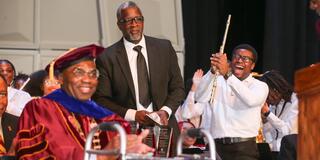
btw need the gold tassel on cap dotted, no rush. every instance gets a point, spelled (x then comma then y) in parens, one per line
(51, 68)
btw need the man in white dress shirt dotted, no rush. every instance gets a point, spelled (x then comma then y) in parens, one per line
(280, 112)
(140, 75)
(16, 98)
(236, 104)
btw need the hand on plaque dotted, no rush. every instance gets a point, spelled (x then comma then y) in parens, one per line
(141, 117)
(163, 117)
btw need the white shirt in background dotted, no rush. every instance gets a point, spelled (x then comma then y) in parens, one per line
(282, 121)
(17, 99)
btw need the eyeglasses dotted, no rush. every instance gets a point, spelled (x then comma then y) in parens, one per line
(245, 59)
(139, 19)
(275, 91)
(79, 73)
(3, 94)
(274, 94)
(49, 82)
(6, 70)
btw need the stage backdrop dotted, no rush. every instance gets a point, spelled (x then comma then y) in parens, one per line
(283, 32)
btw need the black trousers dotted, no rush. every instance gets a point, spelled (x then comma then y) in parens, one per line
(247, 150)
(275, 155)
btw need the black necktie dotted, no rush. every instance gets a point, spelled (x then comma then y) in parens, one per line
(143, 80)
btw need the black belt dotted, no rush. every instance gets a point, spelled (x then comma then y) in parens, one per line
(231, 140)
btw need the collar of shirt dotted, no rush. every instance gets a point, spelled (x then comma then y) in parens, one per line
(132, 55)
(129, 46)
(248, 80)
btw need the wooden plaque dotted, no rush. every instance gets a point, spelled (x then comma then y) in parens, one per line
(150, 139)
(164, 141)
(134, 127)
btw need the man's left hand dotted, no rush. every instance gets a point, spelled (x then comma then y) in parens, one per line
(163, 117)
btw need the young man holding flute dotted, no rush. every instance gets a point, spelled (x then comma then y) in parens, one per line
(236, 103)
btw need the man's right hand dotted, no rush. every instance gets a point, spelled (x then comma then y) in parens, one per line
(141, 117)
(220, 61)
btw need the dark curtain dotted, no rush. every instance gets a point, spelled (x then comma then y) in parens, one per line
(283, 33)
(290, 39)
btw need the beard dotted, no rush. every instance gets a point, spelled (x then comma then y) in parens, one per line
(135, 37)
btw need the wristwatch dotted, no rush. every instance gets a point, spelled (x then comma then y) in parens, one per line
(266, 114)
(228, 74)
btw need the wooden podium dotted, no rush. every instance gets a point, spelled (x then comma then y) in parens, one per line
(307, 86)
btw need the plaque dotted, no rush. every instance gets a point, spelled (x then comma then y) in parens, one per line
(150, 139)
(164, 141)
(134, 127)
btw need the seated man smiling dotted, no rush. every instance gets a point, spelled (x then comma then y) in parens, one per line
(55, 126)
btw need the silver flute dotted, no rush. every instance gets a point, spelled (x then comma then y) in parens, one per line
(221, 51)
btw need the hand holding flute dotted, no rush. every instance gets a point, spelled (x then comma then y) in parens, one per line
(215, 57)
(219, 61)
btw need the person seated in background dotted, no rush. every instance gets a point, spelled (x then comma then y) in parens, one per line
(16, 98)
(280, 112)
(8, 127)
(198, 113)
(190, 88)
(191, 145)
(288, 148)
(56, 126)
(40, 84)
(315, 5)
(188, 142)
(20, 80)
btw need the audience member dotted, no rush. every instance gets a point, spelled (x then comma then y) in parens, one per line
(196, 120)
(140, 74)
(8, 127)
(20, 80)
(236, 105)
(40, 84)
(192, 145)
(56, 126)
(193, 110)
(188, 142)
(280, 112)
(16, 98)
(315, 5)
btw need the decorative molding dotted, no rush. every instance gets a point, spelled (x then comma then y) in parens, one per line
(163, 19)
(23, 60)
(62, 27)
(18, 24)
(33, 32)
